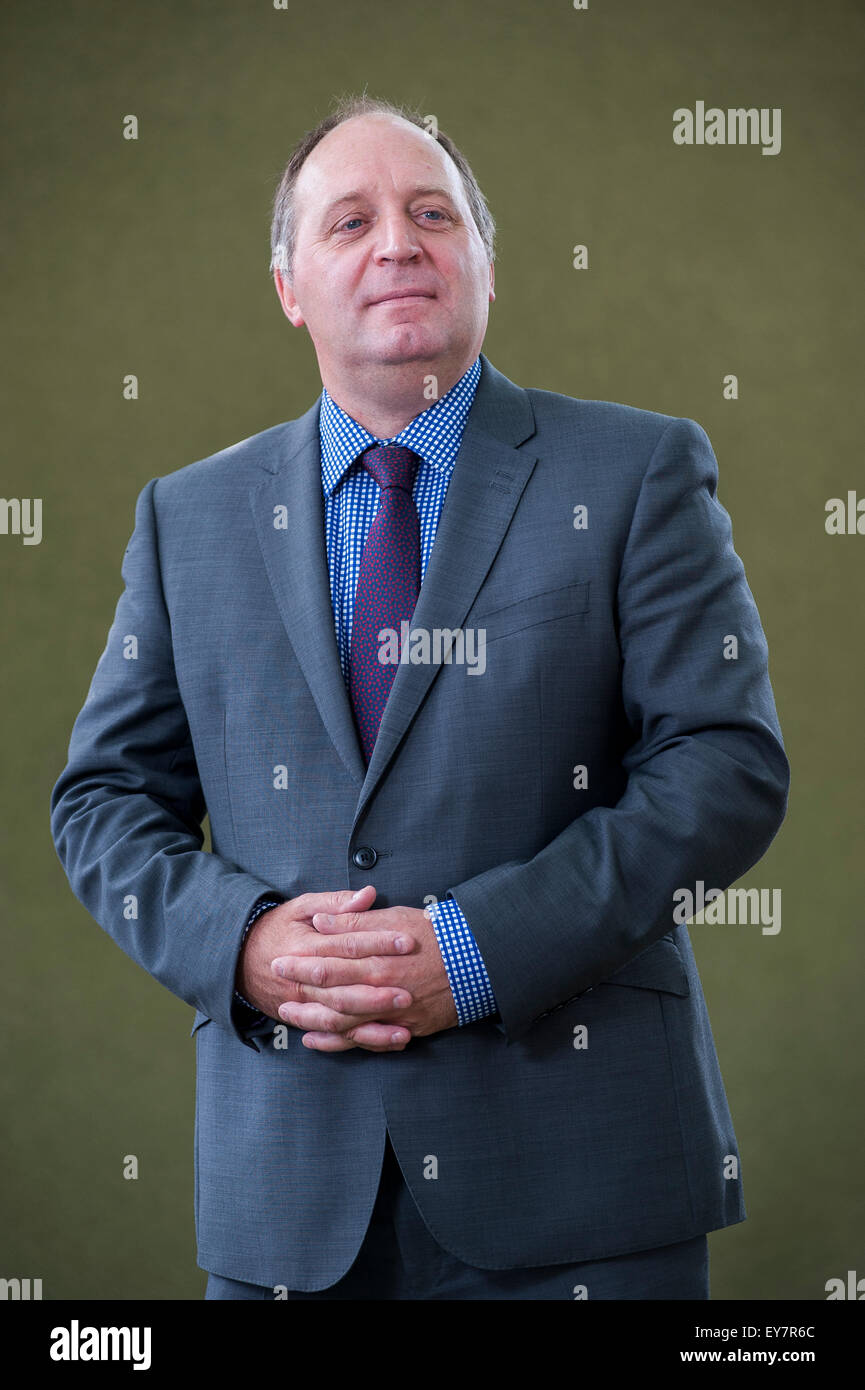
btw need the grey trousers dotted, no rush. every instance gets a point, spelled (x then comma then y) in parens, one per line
(400, 1259)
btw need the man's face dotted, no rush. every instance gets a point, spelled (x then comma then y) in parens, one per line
(380, 210)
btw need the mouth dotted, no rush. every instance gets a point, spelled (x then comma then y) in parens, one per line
(401, 297)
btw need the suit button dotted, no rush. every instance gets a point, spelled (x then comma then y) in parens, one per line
(364, 857)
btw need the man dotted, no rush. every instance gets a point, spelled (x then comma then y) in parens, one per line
(446, 661)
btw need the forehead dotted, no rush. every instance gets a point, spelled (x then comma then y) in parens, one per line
(375, 154)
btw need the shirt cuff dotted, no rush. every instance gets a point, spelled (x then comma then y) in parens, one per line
(467, 975)
(261, 907)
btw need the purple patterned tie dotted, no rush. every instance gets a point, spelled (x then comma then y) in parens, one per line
(387, 587)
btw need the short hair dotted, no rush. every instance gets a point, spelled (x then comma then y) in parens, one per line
(283, 232)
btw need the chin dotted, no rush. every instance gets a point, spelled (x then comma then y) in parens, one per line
(408, 346)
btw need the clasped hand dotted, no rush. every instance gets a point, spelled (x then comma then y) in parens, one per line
(351, 977)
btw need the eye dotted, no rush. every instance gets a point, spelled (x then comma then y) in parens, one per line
(436, 213)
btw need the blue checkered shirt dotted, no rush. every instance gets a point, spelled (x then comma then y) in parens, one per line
(351, 500)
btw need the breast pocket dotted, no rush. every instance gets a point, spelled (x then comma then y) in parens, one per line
(548, 606)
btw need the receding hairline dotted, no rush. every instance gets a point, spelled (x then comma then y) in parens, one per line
(418, 190)
(466, 194)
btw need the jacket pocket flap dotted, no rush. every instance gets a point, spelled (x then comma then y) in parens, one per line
(658, 967)
(511, 617)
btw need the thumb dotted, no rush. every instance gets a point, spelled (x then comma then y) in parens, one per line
(354, 900)
(348, 902)
(342, 900)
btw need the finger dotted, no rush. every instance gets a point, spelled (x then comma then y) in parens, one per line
(359, 1000)
(328, 972)
(341, 901)
(355, 946)
(318, 1018)
(349, 919)
(372, 1037)
(342, 921)
(322, 972)
(327, 1042)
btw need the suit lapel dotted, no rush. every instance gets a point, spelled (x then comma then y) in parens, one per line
(295, 557)
(487, 481)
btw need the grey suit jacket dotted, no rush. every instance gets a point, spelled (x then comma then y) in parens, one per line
(220, 689)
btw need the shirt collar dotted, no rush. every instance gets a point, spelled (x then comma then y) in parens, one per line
(435, 434)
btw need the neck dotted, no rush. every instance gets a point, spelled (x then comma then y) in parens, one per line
(386, 399)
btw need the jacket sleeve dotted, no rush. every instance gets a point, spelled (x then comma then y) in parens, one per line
(707, 775)
(127, 811)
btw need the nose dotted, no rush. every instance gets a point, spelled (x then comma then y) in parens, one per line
(396, 238)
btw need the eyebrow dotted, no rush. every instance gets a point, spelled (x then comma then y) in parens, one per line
(358, 194)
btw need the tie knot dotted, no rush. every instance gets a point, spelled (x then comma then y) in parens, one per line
(391, 465)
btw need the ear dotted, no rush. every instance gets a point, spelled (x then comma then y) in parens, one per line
(290, 306)
(492, 281)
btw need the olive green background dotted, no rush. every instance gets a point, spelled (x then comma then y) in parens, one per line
(151, 257)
